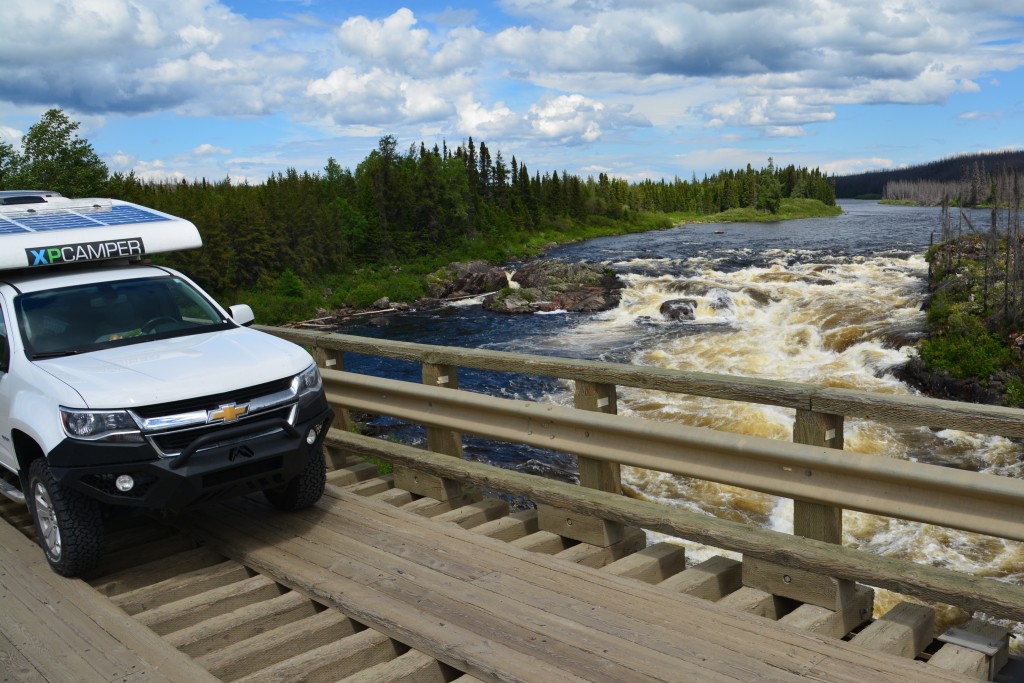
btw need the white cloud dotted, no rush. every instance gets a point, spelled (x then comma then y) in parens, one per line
(569, 119)
(564, 72)
(479, 121)
(206, 149)
(848, 166)
(390, 42)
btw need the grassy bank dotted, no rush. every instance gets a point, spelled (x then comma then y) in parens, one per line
(289, 298)
(974, 325)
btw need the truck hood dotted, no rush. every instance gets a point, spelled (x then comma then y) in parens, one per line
(176, 369)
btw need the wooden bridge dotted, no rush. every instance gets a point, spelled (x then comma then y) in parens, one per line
(425, 575)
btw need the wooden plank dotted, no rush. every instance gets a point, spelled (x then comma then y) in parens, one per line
(355, 522)
(905, 630)
(712, 579)
(59, 644)
(369, 487)
(933, 584)
(242, 623)
(490, 636)
(543, 542)
(759, 602)
(14, 666)
(429, 507)
(633, 539)
(57, 604)
(182, 586)
(142, 575)
(979, 649)
(189, 611)
(579, 527)
(148, 552)
(639, 600)
(515, 525)
(962, 660)
(142, 531)
(332, 661)
(797, 584)
(353, 473)
(830, 622)
(652, 564)
(475, 514)
(412, 667)
(277, 645)
(396, 497)
(427, 485)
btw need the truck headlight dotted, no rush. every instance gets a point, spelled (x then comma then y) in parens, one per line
(100, 425)
(309, 381)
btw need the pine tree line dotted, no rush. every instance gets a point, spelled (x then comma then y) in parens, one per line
(394, 207)
(976, 187)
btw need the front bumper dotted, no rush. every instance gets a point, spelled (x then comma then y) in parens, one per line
(240, 460)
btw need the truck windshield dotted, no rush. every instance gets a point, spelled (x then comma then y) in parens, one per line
(69, 320)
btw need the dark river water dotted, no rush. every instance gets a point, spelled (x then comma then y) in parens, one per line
(832, 301)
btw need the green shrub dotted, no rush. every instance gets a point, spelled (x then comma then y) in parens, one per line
(1015, 392)
(966, 349)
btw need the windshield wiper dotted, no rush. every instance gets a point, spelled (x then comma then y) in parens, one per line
(46, 355)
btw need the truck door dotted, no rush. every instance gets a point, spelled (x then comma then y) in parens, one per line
(7, 458)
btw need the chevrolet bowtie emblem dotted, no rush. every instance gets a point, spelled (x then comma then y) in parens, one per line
(227, 413)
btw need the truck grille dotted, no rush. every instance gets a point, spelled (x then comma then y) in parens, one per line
(239, 396)
(173, 442)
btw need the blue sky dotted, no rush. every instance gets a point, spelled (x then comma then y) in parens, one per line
(634, 88)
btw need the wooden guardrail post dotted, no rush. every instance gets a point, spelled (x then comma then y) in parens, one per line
(334, 360)
(594, 474)
(813, 520)
(439, 440)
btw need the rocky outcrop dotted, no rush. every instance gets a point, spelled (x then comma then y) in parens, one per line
(548, 285)
(466, 279)
(939, 384)
(679, 309)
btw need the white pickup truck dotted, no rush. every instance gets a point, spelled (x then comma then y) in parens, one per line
(123, 384)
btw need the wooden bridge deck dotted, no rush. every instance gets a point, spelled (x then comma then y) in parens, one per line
(487, 608)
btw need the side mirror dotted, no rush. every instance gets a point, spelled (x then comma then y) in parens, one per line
(242, 314)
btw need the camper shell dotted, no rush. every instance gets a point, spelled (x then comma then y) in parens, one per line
(124, 385)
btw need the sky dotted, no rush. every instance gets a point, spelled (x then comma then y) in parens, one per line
(243, 89)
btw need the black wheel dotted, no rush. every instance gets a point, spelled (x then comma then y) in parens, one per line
(305, 489)
(69, 525)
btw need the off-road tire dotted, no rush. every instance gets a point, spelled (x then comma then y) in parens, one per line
(305, 489)
(69, 525)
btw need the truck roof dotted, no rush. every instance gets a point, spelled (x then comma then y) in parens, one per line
(39, 229)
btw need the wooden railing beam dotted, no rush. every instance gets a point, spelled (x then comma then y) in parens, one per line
(969, 501)
(886, 408)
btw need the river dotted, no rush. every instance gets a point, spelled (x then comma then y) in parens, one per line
(830, 301)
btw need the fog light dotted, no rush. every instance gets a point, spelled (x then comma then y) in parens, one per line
(311, 437)
(124, 483)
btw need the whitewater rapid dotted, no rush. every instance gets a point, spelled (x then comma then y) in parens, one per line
(832, 321)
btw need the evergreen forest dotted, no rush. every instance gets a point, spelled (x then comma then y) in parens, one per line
(301, 241)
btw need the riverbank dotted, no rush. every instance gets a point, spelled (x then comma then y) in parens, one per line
(974, 350)
(357, 289)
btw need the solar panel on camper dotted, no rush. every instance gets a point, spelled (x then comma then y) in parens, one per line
(68, 220)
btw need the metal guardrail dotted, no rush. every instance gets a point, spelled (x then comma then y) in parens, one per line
(814, 471)
(958, 499)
